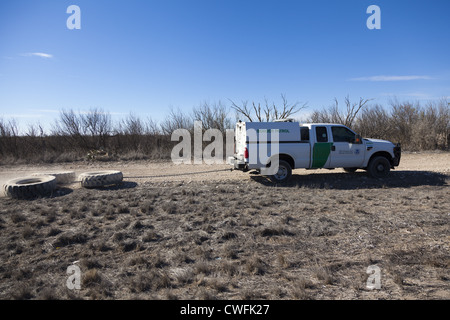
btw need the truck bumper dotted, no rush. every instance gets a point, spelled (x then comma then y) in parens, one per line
(236, 163)
(397, 155)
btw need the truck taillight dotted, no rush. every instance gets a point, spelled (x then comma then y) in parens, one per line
(246, 153)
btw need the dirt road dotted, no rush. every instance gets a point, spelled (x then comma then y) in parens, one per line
(150, 171)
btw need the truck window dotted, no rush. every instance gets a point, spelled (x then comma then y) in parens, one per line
(342, 134)
(321, 134)
(304, 133)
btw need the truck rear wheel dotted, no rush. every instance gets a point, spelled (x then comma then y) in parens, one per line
(379, 167)
(283, 174)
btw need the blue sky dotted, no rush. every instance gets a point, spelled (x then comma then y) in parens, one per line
(145, 56)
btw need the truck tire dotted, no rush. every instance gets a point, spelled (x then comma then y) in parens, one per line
(379, 167)
(30, 187)
(62, 177)
(283, 174)
(100, 179)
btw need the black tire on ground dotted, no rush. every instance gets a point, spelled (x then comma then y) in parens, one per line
(379, 167)
(30, 187)
(62, 177)
(284, 172)
(100, 179)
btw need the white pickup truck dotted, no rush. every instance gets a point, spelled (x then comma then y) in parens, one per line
(292, 145)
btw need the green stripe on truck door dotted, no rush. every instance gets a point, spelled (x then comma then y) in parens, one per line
(321, 152)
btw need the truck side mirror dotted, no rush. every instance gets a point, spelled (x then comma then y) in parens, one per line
(358, 139)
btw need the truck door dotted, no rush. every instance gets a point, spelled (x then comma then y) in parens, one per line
(346, 152)
(321, 148)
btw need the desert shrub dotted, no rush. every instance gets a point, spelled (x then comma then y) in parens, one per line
(419, 127)
(416, 126)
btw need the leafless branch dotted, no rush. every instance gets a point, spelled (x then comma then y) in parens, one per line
(270, 112)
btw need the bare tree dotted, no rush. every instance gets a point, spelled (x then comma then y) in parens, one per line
(35, 130)
(403, 118)
(86, 130)
(69, 124)
(152, 127)
(352, 109)
(176, 120)
(335, 115)
(323, 116)
(212, 116)
(9, 133)
(430, 131)
(269, 112)
(374, 122)
(244, 110)
(97, 123)
(130, 133)
(132, 125)
(287, 109)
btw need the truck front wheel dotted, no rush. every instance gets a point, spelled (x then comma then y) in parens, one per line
(283, 174)
(379, 167)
